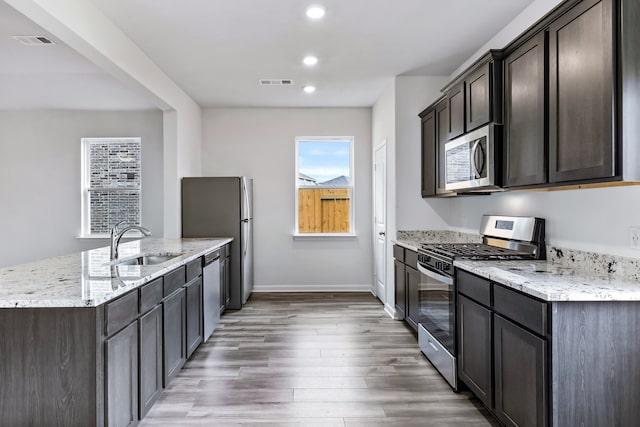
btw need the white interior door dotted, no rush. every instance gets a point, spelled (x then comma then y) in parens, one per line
(380, 219)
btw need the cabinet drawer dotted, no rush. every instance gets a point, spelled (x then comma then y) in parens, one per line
(174, 280)
(398, 253)
(121, 312)
(150, 295)
(527, 311)
(474, 287)
(411, 258)
(194, 269)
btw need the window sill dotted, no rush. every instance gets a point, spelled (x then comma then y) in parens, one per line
(320, 236)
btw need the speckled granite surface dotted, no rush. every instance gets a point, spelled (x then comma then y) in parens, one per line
(566, 275)
(553, 281)
(87, 279)
(414, 238)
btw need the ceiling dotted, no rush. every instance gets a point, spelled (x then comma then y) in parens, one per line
(54, 76)
(217, 50)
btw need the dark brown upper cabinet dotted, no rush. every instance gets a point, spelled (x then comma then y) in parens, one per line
(428, 153)
(442, 136)
(455, 111)
(524, 115)
(478, 100)
(581, 93)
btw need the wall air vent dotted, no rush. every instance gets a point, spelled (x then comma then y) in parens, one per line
(276, 82)
(33, 40)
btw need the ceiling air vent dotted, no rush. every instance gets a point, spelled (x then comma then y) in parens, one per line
(33, 40)
(276, 82)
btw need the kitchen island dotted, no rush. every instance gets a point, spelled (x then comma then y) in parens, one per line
(80, 336)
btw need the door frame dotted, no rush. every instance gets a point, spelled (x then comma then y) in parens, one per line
(382, 295)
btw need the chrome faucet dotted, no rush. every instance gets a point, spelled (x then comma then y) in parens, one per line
(116, 235)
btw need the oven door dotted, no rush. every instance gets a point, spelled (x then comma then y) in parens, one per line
(436, 322)
(436, 311)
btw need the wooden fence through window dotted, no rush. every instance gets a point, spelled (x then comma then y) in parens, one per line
(324, 210)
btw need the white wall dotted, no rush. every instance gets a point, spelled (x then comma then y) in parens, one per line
(413, 94)
(260, 143)
(383, 124)
(40, 177)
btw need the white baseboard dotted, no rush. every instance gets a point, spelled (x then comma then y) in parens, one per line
(313, 288)
(391, 311)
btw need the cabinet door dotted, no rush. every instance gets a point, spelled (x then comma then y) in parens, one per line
(194, 315)
(478, 99)
(150, 327)
(581, 82)
(455, 108)
(122, 377)
(412, 280)
(520, 375)
(174, 319)
(474, 354)
(442, 136)
(400, 291)
(524, 130)
(429, 155)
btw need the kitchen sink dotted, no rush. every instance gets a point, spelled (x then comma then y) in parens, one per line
(149, 259)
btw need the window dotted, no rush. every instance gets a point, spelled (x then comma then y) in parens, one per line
(324, 186)
(111, 183)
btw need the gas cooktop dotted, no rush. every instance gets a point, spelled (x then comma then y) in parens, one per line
(474, 251)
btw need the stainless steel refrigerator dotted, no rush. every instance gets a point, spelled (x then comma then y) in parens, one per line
(223, 207)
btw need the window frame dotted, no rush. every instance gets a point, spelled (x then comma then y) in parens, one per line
(85, 188)
(351, 186)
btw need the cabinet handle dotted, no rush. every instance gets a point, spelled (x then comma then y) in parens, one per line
(433, 345)
(382, 233)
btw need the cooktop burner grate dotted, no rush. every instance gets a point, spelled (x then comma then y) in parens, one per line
(474, 251)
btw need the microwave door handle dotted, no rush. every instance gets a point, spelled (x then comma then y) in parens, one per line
(439, 277)
(477, 170)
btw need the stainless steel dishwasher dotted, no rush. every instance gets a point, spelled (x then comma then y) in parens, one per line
(211, 293)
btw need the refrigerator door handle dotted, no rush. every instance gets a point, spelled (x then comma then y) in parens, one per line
(245, 198)
(246, 238)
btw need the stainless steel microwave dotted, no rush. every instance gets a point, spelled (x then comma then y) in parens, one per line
(471, 161)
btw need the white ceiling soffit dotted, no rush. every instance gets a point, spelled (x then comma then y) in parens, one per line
(54, 76)
(218, 50)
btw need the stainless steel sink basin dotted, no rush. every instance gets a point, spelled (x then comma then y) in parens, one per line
(150, 259)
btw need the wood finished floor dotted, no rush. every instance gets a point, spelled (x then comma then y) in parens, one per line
(312, 359)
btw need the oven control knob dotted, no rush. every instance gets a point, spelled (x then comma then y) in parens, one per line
(439, 265)
(446, 267)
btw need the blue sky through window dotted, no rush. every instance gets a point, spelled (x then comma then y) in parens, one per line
(324, 160)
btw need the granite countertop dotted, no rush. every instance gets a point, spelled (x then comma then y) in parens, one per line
(553, 281)
(87, 279)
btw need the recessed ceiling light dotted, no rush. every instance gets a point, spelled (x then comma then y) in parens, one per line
(310, 60)
(315, 12)
(309, 89)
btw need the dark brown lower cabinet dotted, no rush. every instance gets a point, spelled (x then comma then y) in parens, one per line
(474, 352)
(174, 336)
(121, 371)
(412, 281)
(150, 327)
(520, 375)
(400, 289)
(194, 315)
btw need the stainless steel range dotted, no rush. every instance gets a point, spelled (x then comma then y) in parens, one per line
(504, 238)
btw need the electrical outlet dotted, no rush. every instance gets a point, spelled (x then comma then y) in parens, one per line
(634, 237)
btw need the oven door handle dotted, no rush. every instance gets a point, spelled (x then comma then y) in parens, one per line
(439, 277)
